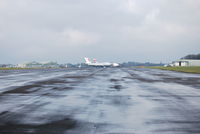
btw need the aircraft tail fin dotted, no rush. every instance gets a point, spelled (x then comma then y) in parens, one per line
(87, 60)
(94, 60)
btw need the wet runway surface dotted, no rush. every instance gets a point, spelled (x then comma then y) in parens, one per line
(99, 101)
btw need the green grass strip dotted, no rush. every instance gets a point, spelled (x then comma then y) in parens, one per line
(193, 69)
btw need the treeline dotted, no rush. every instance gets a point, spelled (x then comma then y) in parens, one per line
(192, 56)
(130, 64)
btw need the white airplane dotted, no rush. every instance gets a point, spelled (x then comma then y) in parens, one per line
(99, 64)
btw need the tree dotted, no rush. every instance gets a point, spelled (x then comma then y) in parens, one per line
(192, 56)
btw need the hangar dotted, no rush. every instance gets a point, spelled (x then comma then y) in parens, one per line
(186, 62)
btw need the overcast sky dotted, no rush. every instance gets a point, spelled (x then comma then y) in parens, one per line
(108, 30)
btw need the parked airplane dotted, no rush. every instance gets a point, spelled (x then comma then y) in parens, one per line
(100, 64)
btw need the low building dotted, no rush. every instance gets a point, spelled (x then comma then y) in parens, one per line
(7, 66)
(186, 62)
(21, 65)
(33, 64)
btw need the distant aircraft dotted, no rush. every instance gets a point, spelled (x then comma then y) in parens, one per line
(99, 64)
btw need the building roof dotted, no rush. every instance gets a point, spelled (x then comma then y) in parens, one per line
(188, 60)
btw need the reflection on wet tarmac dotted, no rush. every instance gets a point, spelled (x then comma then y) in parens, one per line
(99, 101)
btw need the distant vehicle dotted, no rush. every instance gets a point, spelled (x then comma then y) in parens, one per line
(99, 64)
(168, 65)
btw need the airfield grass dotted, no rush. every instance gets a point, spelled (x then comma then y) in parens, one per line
(16, 68)
(7, 68)
(195, 69)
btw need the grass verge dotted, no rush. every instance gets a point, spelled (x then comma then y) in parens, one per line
(180, 69)
(6, 68)
(3, 68)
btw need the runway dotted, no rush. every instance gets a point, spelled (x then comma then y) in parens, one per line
(99, 101)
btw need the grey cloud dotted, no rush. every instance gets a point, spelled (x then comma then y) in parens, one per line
(112, 30)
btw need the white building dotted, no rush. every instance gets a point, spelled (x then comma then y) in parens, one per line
(21, 65)
(186, 62)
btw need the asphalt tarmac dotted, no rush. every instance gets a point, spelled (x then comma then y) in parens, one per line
(99, 101)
